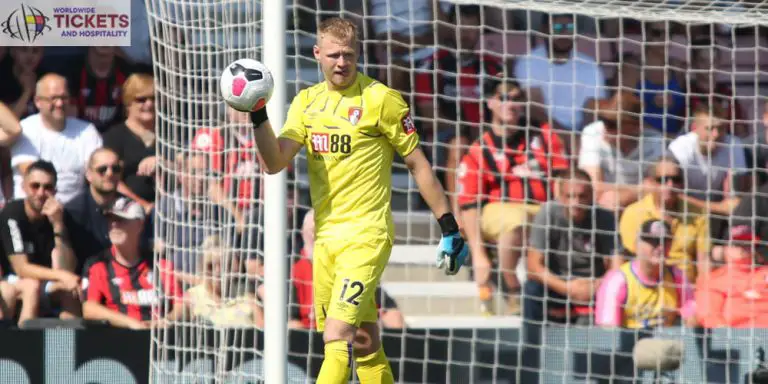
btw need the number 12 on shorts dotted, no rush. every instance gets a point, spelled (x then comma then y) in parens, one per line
(355, 290)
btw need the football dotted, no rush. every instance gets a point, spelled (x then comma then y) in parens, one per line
(246, 85)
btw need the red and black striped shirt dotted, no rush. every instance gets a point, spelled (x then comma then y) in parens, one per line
(99, 100)
(130, 290)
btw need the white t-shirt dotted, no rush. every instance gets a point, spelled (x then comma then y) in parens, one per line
(618, 168)
(68, 150)
(566, 87)
(704, 173)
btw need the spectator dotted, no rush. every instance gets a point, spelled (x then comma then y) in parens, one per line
(52, 136)
(215, 303)
(122, 284)
(448, 90)
(644, 293)
(733, 295)
(690, 230)
(10, 130)
(18, 90)
(616, 150)
(714, 162)
(35, 241)
(503, 179)
(660, 83)
(96, 83)
(706, 90)
(407, 29)
(134, 140)
(85, 216)
(573, 244)
(301, 276)
(559, 80)
(8, 298)
(199, 208)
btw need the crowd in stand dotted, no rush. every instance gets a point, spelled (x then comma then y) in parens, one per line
(633, 198)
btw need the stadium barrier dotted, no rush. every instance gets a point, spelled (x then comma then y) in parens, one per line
(118, 356)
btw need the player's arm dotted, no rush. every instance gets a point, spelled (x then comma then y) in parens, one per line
(277, 153)
(429, 186)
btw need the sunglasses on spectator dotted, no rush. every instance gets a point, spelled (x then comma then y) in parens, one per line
(102, 169)
(143, 99)
(560, 27)
(675, 179)
(48, 187)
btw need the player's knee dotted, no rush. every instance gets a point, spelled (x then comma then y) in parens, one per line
(338, 330)
(367, 339)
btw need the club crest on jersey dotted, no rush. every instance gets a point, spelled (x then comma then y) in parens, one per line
(408, 125)
(354, 115)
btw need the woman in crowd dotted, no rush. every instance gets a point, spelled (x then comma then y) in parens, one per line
(223, 305)
(134, 140)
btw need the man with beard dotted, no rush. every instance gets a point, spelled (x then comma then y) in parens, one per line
(502, 181)
(559, 79)
(84, 215)
(690, 229)
(36, 244)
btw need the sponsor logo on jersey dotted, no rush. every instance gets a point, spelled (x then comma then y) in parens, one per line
(354, 115)
(320, 143)
(142, 297)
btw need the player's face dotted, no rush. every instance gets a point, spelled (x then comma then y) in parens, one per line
(668, 181)
(711, 132)
(122, 231)
(52, 100)
(562, 30)
(338, 60)
(39, 187)
(142, 108)
(105, 172)
(27, 57)
(576, 197)
(507, 106)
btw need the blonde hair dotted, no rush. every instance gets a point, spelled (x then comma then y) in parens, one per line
(339, 28)
(212, 249)
(135, 84)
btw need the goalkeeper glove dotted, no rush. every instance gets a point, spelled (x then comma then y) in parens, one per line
(452, 250)
(259, 116)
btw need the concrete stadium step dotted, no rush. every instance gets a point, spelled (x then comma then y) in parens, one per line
(421, 273)
(474, 322)
(434, 298)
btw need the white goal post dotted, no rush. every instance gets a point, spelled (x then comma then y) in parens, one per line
(452, 333)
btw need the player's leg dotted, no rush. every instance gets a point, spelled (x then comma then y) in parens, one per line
(358, 267)
(337, 360)
(8, 297)
(29, 293)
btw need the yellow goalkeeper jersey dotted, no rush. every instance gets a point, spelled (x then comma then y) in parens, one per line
(351, 137)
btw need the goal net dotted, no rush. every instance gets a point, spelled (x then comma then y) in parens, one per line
(659, 102)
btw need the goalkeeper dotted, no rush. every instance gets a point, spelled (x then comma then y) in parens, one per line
(352, 125)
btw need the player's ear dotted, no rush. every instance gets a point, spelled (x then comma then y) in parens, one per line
(316, 51)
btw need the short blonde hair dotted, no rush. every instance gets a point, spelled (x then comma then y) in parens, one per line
(339, 28)
(212, 250)
(135, 84)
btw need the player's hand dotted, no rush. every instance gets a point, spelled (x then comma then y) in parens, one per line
(452, 253)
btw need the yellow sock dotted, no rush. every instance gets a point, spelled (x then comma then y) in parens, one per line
(337, 363)
(374, 369)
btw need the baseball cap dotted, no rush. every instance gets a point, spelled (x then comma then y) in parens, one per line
(655, 231)
(744, 233)
(127, 209)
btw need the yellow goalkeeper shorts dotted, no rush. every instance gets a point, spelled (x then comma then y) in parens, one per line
(344, 279)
